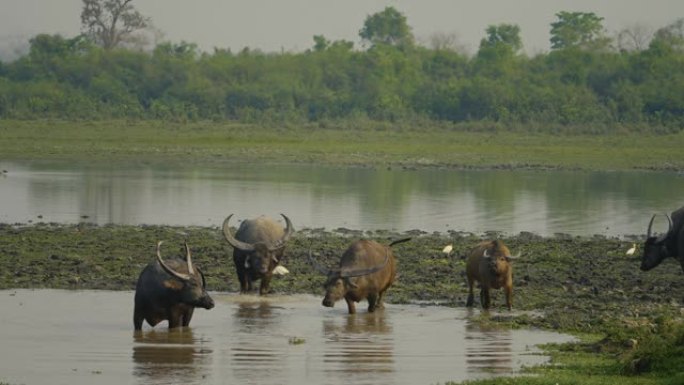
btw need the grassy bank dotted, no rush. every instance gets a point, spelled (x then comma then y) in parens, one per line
(380, 145)
(630, 321)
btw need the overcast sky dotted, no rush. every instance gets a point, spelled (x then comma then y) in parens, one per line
(290, 25)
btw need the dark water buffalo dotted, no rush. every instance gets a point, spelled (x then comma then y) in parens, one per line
(489, 263)
(366, 270)
(670, 244)
(258, 247)
(170, 291)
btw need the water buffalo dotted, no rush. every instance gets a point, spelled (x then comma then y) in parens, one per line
(170, 291)
(258, 247)
(489, 263)
(670, 244)
(367, 268)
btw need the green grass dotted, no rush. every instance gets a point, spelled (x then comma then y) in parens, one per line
(370, 146)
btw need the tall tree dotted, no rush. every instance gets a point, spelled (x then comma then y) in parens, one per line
(583, 30)
(387, 27)
(110, 23)
(503, 36)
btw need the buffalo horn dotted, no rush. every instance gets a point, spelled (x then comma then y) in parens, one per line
(316, 266)
(650, 225)
(181, 276)
(289, 229)
(370, 270)
(188, 259)
(234, 242)
(486, 253)
(669, 228)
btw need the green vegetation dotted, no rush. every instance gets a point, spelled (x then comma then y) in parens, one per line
(630, 322)
(584, 85)
(372, 144)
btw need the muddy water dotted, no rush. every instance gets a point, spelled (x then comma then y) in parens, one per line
(86, 337)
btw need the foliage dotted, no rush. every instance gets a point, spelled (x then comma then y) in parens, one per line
(110, 23)
(581, 85)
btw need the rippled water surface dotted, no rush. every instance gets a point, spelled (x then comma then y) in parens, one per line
(579, 203)
(86, 337)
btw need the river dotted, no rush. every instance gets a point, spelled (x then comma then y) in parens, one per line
(316, 196)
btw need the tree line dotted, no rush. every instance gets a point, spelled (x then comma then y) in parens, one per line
(587, 82)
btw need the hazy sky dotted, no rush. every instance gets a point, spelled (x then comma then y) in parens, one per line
(291, 24)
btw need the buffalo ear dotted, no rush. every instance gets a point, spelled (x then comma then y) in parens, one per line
(173, 284)
(350, 283)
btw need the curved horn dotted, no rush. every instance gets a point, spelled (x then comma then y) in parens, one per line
(234, 242)
(316, 266)
(514, 256)
(181, 276)
(402, 240)
(289, 229)
(371, 270)
(669, 228)
(188, 259)
(650, 225)
(486, 253)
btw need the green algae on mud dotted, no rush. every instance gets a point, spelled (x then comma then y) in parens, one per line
(581, 285)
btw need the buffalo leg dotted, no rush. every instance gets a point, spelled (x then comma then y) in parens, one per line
(351, 306)
(509, 297)
(265, 283)
(379, 304)
(469, 302)
(187, 316)
(137, 319)
(484, 298)
(174, 318)
(372, 302)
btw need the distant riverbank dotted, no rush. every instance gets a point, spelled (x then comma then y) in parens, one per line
(382, 146)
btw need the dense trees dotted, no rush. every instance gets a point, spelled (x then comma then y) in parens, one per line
(582, 84)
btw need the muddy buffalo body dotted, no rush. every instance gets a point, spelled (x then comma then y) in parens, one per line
(366, 270)
(489, 263)
(258, 247)
(169, 291)
(669, 244)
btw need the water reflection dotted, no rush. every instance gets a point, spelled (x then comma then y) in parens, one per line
(170, 356)
(257, 357)
(609, 203)
(488, 349)
(359, 347)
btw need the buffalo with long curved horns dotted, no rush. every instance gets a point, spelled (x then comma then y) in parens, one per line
(170, 290)
(258, 248)
(366, 270)
(668, 244)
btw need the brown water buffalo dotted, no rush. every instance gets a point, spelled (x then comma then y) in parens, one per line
(670, 244)
(258, 247)
(170, 291)
(489, 263)
(366, 270)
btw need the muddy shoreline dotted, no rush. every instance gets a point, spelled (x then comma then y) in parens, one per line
(565, 283)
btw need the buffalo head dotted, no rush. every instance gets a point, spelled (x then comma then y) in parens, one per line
(655, 247)
(189, 287)
(338, 281)
(262, 257)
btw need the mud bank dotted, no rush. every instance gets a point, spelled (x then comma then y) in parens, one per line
(581, 284)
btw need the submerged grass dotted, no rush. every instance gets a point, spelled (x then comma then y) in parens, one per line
(630, 323)
(368, 146)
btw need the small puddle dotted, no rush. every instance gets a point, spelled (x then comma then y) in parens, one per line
(85, 337)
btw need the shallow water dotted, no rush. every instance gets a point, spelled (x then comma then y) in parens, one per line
(86, 337)
(578, 203)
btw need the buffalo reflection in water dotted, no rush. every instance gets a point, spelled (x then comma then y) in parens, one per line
(170, 356)
(488, 349)
(359, 345)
